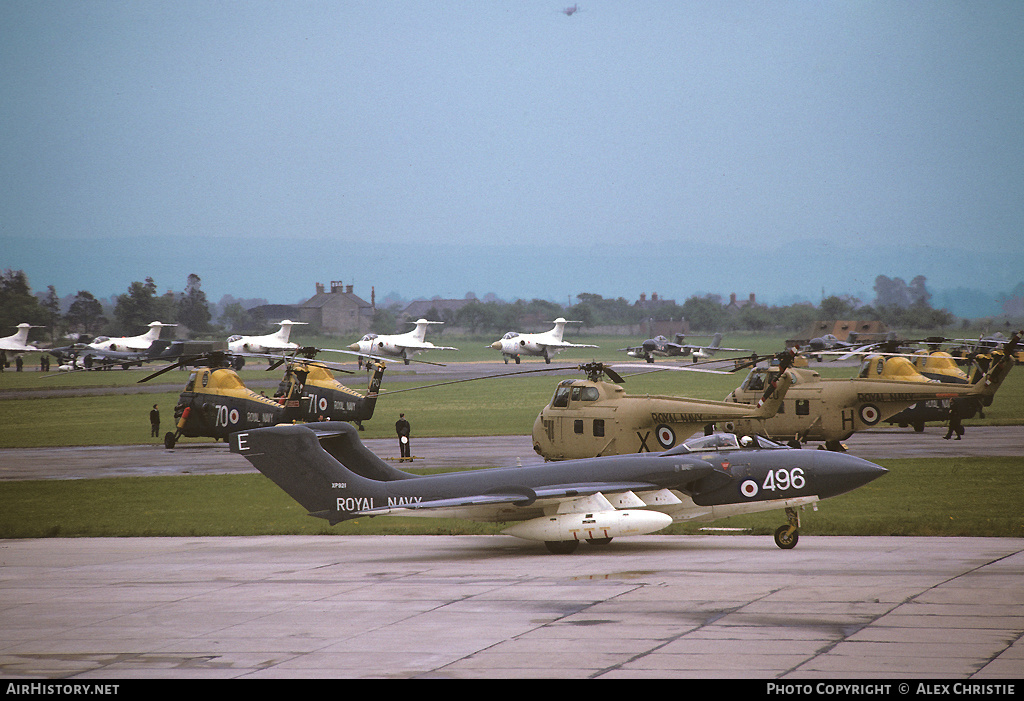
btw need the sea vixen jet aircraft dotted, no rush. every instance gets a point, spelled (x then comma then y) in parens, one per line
(327, 469)
(661, 346)
(548, 343)
(402, 346)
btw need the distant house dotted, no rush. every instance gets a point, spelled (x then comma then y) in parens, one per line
(736, 305)
(338, 310)
(654, 302)
(657, 323)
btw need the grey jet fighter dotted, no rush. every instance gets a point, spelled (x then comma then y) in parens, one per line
(328, 470)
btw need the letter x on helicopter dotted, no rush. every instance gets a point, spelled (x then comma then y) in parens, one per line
(328, 470)
(216, 402)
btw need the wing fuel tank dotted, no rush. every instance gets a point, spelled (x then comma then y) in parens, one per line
(590, 526)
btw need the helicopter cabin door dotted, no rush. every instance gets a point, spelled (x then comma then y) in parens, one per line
(583, 426)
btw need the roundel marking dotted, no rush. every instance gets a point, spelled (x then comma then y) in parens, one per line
(749, 489)
(323, 403)
(869, 414)
(233, 416)
(666, 436)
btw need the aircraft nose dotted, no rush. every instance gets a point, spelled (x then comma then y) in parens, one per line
(353, 346)
(496, 345)
(839, 473)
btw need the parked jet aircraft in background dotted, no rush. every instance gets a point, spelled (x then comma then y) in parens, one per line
(18, 343)
(402, 346)
(129, 343)
(547, 344)
(328, 470)
(271, 343)
(662, 347)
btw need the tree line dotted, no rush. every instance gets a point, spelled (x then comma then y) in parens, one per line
(896, 303)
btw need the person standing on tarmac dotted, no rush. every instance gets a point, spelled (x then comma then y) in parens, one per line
(154, 421)
(402, 428)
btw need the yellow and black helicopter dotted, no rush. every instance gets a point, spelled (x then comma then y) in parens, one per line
(216, 402)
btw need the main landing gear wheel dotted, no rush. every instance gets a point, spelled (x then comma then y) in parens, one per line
(562, 547)
(786, 537)
(169, 440)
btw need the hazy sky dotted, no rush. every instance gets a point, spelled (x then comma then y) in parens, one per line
(675, 147)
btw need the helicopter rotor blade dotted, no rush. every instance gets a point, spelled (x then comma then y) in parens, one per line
(384, 392)
(174, 366)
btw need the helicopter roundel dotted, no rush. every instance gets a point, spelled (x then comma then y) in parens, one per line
(322, 404)
(869, 414)
(666, 436)
(233, 416)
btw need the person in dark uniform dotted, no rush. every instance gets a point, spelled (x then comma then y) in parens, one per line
(955, 424)
(403, 429)
(154, 421)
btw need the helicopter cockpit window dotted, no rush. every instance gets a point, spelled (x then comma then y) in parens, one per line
(561, 398)
(755, 382)
(590, 394)
(191, 383)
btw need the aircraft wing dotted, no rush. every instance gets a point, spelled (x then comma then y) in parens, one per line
(565, 344)
(424, 346)
(524, 496)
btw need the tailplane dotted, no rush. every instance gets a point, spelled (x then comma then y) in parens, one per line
(305, 460)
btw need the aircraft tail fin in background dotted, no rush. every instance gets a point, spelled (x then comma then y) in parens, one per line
(284, 333)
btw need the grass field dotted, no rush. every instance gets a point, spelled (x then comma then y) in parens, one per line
(953, 497)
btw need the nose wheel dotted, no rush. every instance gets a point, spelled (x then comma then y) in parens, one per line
(786, 537)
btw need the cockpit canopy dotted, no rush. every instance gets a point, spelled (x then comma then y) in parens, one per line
(369, 337)
(723, 441)
(510, 334)
(569, 390)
